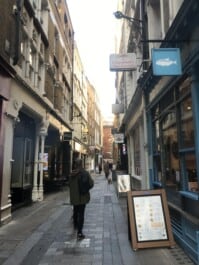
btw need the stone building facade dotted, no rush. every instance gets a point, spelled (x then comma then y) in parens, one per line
(42, 97)
(160, 121)
(36, 71)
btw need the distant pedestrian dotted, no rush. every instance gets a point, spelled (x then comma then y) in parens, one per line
(80, 182)
(109, 179)
(100, 168)
(106, 169)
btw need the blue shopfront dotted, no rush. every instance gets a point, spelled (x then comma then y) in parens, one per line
(172, 109)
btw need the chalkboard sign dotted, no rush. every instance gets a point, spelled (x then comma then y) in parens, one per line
(149, 220)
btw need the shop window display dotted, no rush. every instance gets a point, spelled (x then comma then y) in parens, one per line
(171, 164)
(156, 144)
(187, 145)
(173, 141)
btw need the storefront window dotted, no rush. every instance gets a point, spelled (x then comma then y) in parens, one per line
(157, 136)
(156, 144)
(170, 151)
(187, 144)
(190, 162)
(186, 124)
(174, 143)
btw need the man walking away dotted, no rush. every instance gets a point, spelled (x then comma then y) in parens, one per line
(106, 169)
(80, 182)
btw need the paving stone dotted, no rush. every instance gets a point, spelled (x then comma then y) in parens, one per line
(51, 240)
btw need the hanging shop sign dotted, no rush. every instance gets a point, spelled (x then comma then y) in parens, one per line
(67, 136)
(117, 108)
(166, 61)
(118, 138)
(123, 62)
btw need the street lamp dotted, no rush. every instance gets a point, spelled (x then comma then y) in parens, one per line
(137, 22)
(119, 15)
(140, 29)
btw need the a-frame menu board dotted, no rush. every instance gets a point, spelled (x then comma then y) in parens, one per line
(149, 220)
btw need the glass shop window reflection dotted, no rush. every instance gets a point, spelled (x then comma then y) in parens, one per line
(187, 130)
(170, 150)
(187, 143)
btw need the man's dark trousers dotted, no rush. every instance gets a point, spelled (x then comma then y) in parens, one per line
(78, 217)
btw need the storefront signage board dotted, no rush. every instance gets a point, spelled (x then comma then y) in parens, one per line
(123, 62)
(149, 220)
(118, 138)
(67, 136)
(166, 62)
(117, 108)
(123, 184)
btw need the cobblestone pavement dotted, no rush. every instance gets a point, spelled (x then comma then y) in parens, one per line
(42, 234)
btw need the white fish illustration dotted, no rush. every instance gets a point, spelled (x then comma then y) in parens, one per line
(165, 62)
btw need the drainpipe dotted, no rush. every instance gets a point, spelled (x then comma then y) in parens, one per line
(146, 180)
(41, 189)
(162, 18)
(17, 12)
(35, 176)
(72, 79)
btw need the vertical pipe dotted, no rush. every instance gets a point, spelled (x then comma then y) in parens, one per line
(72, 78)
(162, 18)
(41, 169)
(35, 184)
(19, 4)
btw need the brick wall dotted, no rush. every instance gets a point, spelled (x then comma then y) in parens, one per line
(107, 142)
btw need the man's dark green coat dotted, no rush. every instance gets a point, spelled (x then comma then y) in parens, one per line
(75, 197)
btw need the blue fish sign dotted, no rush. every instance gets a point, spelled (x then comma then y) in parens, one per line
(166, 61)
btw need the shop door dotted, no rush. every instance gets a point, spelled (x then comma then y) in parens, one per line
(22, 170)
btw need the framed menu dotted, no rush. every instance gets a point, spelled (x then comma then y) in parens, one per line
(149, 220)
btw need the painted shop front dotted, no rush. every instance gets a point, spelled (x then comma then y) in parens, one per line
(41, 160)
(172, 109)
(6, 74)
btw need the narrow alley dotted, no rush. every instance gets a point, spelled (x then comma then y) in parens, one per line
(43, 234)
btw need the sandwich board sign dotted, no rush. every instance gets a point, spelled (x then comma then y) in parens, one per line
(166, 61)
(123, 184)
(148, 219)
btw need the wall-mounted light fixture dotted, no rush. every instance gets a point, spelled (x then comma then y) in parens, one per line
(119, 15)
(140, 28)
(137, 22)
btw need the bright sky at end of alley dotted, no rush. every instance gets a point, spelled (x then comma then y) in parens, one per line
(94, 27)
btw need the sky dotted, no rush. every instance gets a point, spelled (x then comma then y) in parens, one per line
(94, 26)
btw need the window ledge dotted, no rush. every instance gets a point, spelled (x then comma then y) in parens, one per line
(190, 195)
(137, 177)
